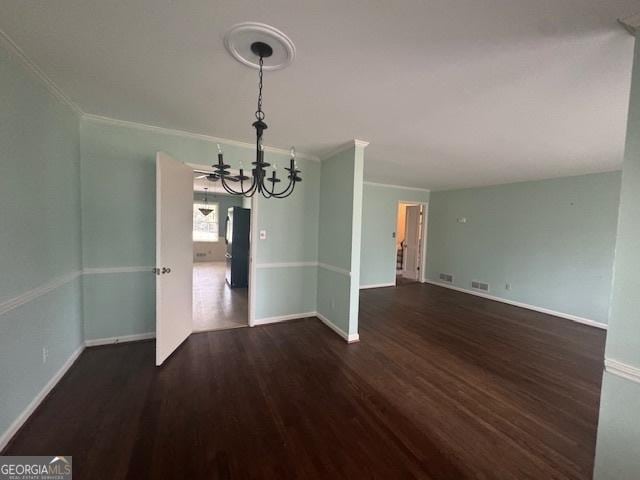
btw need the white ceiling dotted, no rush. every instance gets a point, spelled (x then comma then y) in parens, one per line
(449, 93)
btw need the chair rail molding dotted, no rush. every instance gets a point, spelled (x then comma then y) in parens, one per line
(621, 369)
(335, 269)
(286, 265)
(103, 270)
(26, 297)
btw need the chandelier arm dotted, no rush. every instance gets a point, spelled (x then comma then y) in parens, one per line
(287, 191)
(266, 194)
(249, 191)
(283, 191)
(264, 190)
(252, 190)
(265, 187)
(228, 188)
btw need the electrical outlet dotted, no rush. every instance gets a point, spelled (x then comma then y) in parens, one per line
(263, 234)
(45, 354)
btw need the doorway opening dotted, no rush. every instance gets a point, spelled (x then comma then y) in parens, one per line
(411, 237)
(221, 252)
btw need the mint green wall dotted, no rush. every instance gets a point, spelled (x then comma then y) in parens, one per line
(625, 303)
(39, 234)
(552, 240)
(118, 195)
(618, 446)
(292, 237)
(291, 223)
(286, 291)
(379, 215)
(339, 238)
(336, 209)
(118, 304)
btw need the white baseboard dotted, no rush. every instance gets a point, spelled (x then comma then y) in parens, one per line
(568, 316)
(349, 338)
(378, 285)
(125, 338)
(295, 316)
(282, 318)
(621, 369)
(8, 434)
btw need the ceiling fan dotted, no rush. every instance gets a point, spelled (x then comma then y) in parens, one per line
(213, 177)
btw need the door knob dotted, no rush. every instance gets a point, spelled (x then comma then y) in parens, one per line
(166, 270)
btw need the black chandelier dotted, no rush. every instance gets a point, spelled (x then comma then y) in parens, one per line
(259, 180)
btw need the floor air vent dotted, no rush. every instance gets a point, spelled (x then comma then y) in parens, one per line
(480, 286)
(445, 277)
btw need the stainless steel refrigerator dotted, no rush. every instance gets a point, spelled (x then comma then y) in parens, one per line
(236, 237)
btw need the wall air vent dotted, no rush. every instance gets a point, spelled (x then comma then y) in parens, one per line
(446, 277)
(480, 286)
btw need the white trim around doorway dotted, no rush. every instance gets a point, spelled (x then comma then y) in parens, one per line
(423, 258)
(253, 245)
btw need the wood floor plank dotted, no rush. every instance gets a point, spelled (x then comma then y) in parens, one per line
(442, 385)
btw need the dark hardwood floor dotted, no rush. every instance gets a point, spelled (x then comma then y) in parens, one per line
(442, 385)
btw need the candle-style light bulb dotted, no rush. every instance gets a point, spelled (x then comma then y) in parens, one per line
(219, 148)
(293, 152)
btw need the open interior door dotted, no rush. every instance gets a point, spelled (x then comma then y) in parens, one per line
(174, 254)
(412, 242)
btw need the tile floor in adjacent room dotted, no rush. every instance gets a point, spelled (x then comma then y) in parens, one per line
(216, 305)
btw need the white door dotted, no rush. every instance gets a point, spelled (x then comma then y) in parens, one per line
(412, 242)
(174, 254)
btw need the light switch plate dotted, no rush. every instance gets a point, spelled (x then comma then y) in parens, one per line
(263, 234)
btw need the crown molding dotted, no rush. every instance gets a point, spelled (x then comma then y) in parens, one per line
(389, 185)
(631, 23)
(197, 136)
(345, 146)
(14, 49)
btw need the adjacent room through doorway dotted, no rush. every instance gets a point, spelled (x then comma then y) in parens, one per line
(220, 257)
(409, 242)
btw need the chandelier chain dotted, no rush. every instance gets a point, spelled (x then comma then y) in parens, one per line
(258, 182)
(259, 113)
